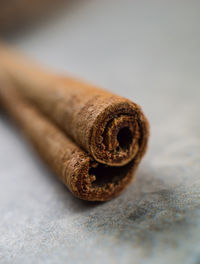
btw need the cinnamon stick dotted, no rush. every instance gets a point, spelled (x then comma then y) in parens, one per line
(84, 177)
(112, 129)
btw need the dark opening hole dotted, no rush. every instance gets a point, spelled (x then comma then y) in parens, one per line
(105, 175)
(125, 138)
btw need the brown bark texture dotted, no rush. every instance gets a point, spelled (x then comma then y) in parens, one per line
(93, 139)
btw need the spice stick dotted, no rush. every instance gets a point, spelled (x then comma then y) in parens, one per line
(112, 129)
(84, 177)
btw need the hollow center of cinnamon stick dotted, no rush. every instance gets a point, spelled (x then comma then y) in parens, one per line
(125, 138)
(105, 175)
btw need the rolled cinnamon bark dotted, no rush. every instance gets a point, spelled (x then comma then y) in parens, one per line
(84, 177)
(112, 129)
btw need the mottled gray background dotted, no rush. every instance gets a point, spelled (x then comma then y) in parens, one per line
(148, 51)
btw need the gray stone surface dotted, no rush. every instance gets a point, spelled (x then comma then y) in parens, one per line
(148, 51)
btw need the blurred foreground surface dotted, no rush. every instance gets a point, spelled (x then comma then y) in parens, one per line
(148, 51)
